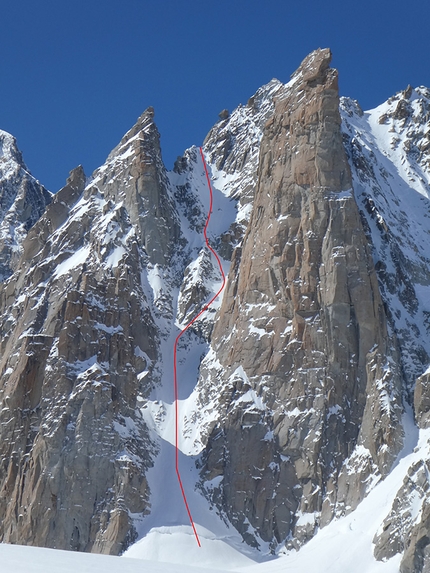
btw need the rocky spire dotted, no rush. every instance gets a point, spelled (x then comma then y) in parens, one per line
(22, 201)
(135, 174)
(75, 316)
(302, 329)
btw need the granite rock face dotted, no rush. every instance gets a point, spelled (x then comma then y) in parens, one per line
(301, 335)
(78, 347)
(422, 400)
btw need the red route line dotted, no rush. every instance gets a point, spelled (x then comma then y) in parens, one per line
(175, 349)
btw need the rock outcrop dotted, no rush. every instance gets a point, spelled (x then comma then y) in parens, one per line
(405, 529)
(422, 400)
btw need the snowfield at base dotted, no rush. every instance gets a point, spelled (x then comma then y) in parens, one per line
(178, 545)
(344, 545)
(19, 559)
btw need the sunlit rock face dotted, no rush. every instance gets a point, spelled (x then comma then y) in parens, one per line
(78, 347)
(301, 337)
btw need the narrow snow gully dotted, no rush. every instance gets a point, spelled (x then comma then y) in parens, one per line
(173, 413)
(175, 348)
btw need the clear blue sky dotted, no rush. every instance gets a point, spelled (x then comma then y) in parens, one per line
(75, 74)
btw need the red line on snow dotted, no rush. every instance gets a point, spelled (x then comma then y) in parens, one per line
(175, 349)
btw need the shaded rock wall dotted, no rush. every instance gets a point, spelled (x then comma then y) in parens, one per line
(78, 349)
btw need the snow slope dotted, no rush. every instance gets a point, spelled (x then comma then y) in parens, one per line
(19, 559)
(388, 149)
(344, 545)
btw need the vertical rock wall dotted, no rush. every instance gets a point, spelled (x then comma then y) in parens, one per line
(302, 353)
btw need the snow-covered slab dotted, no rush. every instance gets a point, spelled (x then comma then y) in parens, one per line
(20, 559)
(76, 259)
(178, 545)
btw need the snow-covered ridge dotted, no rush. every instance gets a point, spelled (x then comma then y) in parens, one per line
(389, 151)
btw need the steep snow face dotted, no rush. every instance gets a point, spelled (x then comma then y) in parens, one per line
(22, 201)
(389, 152)
(232, 152)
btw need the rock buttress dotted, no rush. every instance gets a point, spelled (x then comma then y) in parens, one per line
(301, 367)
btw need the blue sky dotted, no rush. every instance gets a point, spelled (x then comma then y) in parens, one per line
(75, 74)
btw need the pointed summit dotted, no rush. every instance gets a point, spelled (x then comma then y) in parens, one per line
(314, 66)
(22, 201)
(9, 150)
(134, 173)
(144, 126)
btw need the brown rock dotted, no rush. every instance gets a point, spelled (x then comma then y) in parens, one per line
(302, 316)
(422, 400)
